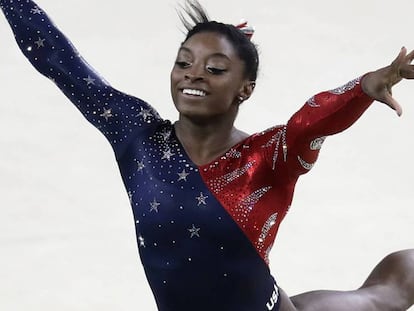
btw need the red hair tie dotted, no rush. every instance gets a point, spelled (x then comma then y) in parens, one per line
(246, 29)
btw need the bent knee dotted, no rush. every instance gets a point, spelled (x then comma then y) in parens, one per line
(286, 303)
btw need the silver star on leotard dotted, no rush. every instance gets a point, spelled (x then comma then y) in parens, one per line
(40, 43)
(167, 154)
(130, 196)
(166, 135)
(145, 113)
(140, 165)
(154, 206)
(36, 10)
(194, 231)
(141, 241)
(183, 175)
(107, 114)
(89, 80)
(201, 199)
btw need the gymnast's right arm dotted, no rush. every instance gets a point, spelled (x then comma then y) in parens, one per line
(114, 113)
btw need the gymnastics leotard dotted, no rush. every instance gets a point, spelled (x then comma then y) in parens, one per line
(204, 233)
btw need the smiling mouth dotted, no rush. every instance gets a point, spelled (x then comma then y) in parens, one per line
(194, 92)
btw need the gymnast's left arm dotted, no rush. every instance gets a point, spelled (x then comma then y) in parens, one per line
(114, 113)
(333, 111)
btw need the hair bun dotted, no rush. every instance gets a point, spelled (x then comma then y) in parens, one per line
(246, 28)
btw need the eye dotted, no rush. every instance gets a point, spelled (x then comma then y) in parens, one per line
(182, 64)
(215, 71)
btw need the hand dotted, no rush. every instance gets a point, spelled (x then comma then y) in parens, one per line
(378, 84)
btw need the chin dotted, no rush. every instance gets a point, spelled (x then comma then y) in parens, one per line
(189, 110)
(195, 116)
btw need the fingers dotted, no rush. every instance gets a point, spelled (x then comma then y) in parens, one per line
(393, 104)
(400, 68)
(400, 59)
(410, 57)
(405, 70)
(403, 58)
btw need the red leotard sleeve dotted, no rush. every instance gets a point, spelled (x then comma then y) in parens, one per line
(324, 114)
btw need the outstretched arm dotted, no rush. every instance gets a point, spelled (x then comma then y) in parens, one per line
(331, 112)
(115, 114)
(324, 114)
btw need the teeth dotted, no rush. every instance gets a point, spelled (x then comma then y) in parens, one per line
(194, 92)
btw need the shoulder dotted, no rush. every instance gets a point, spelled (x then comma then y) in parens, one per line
(269, 136)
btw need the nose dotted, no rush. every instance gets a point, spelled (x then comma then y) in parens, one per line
(193, 77)
(194, 74)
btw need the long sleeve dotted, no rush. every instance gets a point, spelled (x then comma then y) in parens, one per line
(115, 114)
(325, 114)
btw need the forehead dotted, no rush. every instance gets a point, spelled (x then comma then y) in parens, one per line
(209, 43)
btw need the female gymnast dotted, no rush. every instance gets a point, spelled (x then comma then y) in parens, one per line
(208, 198)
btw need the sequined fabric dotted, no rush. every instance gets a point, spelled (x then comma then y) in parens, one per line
(204, 234)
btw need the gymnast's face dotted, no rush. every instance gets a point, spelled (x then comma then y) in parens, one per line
(208, 78)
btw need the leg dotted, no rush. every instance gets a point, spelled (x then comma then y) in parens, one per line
(394, 277)
(327, 300)
(390, 287)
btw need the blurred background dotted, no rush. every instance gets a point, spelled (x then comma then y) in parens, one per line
(67, 236)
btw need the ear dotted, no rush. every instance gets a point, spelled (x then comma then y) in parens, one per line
(246, 90)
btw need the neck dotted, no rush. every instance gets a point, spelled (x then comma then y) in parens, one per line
(204, 142)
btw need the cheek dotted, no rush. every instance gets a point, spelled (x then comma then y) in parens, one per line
(172, 77)
(173, 81)
(175, 75)
(230, 89)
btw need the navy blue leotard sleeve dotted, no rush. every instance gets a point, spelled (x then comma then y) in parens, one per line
(115, 114)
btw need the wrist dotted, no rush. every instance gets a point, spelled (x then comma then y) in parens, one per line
(367, 84)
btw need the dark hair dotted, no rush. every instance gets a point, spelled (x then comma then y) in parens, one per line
(200, 22)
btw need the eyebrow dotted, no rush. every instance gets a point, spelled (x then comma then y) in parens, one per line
(183, 48)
